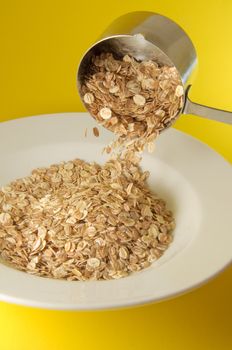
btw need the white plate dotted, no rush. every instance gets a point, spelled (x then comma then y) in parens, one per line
(194, 180)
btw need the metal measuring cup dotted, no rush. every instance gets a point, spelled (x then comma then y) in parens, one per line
(149, 36)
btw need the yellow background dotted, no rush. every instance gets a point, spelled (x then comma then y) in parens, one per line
(41, 43)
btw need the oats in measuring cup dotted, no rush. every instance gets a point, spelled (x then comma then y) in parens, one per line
(135, 100)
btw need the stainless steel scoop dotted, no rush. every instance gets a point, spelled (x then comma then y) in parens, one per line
(149, 36)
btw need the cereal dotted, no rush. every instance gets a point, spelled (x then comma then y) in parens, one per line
(96, 131)
(139, 100)
(135, 100)
(105, 113)
(179, 91)
(89, 98)
(81, 221)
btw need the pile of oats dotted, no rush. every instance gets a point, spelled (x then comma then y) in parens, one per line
(83, 221)
(135, 100)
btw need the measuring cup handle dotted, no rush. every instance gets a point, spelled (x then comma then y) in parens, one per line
(206, 112)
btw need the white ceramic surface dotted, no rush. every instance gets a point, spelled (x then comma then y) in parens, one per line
(195, 181)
